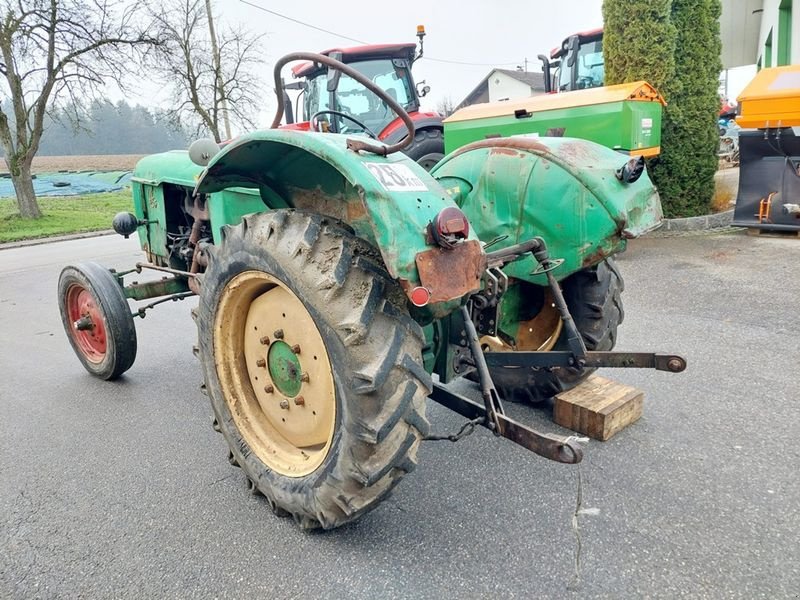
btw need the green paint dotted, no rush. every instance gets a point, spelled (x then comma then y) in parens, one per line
(768, 51)
(785, 33)
(625, 126)
(317, 172)
(154, 289)
(284, 368)
(565, 191)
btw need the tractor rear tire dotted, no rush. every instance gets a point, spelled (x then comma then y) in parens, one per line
(328, 428)
(427, 149)
(107, 347)
(593, 297)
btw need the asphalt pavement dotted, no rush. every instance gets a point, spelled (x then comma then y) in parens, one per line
(123, 490)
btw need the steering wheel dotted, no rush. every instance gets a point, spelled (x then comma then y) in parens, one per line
(344, 115)
(356, 145)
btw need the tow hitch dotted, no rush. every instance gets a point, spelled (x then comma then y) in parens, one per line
(491, 414)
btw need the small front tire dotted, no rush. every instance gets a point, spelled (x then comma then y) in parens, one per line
(97, 319)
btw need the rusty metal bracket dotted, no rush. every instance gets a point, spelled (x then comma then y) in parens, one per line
(632, 360)
(555, 447)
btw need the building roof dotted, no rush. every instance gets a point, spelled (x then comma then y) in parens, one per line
(534, 80)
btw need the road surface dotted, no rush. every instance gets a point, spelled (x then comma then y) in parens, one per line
(123, 490)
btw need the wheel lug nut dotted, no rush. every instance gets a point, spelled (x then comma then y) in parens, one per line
(284, 404)
(264, 340)
(278, 333)
(261, 362)
(296, 348)
(304, 377)
(300, 401)
(269, 389)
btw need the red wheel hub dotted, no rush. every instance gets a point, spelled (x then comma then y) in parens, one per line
(88, 326)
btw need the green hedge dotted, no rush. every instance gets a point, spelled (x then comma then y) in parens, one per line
(676, 46)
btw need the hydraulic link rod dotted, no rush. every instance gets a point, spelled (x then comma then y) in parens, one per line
(491, 399)
(555, 359)
(555, 447)
(574, 339)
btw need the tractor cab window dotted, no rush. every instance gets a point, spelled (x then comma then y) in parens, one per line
(590, 68)
(355, 100)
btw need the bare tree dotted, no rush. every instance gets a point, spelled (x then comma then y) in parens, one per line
(208, 83)
(445, 106)
(51, 49)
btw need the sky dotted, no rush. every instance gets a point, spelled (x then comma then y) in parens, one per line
(502, 33)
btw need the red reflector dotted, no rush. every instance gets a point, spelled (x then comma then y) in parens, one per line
(420, 296)
(451, 221)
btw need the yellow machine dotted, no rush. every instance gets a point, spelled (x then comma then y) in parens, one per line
(769, 174)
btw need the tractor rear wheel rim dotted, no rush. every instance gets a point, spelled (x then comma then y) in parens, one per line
(538, 334)
(275, 373)
(82, 306)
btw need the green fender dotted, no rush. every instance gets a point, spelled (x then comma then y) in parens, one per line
(561, 189)
(387, 200)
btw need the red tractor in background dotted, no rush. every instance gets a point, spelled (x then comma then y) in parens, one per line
(332, 101)
(577, 64)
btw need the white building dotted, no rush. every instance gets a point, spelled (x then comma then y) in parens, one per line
(505, 84)
(761, 32)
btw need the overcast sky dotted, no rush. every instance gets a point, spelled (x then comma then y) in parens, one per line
(502, 33)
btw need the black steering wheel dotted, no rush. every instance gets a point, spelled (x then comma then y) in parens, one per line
(344, 115)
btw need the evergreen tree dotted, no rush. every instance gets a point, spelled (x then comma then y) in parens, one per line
(638, 42)
(684, 172)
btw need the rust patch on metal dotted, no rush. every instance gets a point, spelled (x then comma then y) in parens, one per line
(356, 211)
(451, 274)
(506, 151)
(525, 144)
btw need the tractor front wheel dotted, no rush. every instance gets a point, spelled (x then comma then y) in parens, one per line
(313, 366)
(427, 149)
(97, 319)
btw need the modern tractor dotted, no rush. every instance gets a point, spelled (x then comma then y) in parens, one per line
(625, 117)
(341, 286)
(577, 64)
(331, 101)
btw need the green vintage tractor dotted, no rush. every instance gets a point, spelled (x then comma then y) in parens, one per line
(336, 277)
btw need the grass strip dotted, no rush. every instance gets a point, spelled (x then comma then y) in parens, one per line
(63, 215)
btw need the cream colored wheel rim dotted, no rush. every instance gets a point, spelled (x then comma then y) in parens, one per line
(537, 334)
(282, 402)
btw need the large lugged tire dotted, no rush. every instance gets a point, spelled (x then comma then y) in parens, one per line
(106, 342)
(593, 297)
(313, 366)
(427, 149)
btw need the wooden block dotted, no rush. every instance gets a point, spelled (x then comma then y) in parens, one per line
(598, 407)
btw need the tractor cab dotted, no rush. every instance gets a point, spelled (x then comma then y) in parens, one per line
(577, 64)
(331, 101)
(335, 102)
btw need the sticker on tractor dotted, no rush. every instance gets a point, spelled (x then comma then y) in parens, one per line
(647, 123)
(396, 178)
